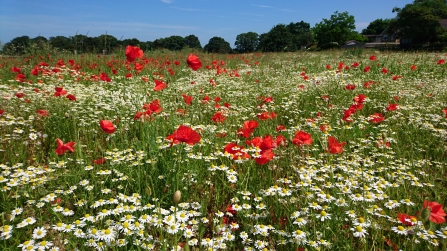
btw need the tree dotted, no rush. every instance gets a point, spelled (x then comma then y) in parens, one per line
(420, 21)
(128, 41)
(336, 30)
(302, 34)
(217, 45)
(247, 42)
(61, 42)
(173, 43)
(193, 42)
(376, 27)
(105, 43)
(82, 43)
(279, 38)
(17, 45)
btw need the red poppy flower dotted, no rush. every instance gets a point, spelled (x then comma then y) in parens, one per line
(104, 77)
(392, 107)
(347, 114)
(350, 87)
(35, 71)
(138, 115)
(267, 100)
(62, 148)
(154, 106)
(187, 99)
(267, 115)
(437, 214)
(367, 68)
(445, 112)
(334, 146)
(382, 144)
(218, 117)
(16, 70)
(236, 152)
(372, 58)
(20, 94)
(2, 111)
(302, 138)
(265, 157)
(406, 219)
(193, 62)
(43, 113)
(59, 91)
(129, 75)
(441, 61)
(71, 97)
(99, 161)
(376, 118)
(396, 77)
(263, 143)
(107, 126)
(384, 70)
(133, 52)
(328, 66)
(280, 128)
(184, 134)
(280, 140)
(355, 64)
(159, 85)
(360, 98)
(248, 128)
(413, 67)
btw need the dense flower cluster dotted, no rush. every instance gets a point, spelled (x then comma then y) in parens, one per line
(96, 152)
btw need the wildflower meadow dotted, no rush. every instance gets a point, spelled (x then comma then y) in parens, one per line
(335, 150)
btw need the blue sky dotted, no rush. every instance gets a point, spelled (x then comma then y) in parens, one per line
(148, 20)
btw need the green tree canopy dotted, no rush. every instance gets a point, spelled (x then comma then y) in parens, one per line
(336, 30)
(193, 42)
(279, 38)
(246, 42)
(17, 45)
(420, 21)
(302, 34)
(217, 45)
(128, 41)
(174, 43)
(376, 27)
(61, 42)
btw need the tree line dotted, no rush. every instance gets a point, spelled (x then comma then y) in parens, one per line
(420, 21)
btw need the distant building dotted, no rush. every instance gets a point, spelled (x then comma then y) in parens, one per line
(386, 38)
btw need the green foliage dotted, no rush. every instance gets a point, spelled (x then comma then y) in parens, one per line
(61, 42)
(217, 45)
(301, 31)
(131, 41)
(247, 42)
(173, 43)
(338, 29)
(192, 41)
(16, 46)
(420, 21)
(279, 38)
(376, 27)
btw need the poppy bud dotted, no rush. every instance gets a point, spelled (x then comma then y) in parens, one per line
(177, 196)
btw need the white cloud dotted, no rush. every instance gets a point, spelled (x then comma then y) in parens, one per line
(263, 6)
(187, 9)
(167, 1)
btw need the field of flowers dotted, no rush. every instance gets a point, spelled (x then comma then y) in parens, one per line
(342, 150)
